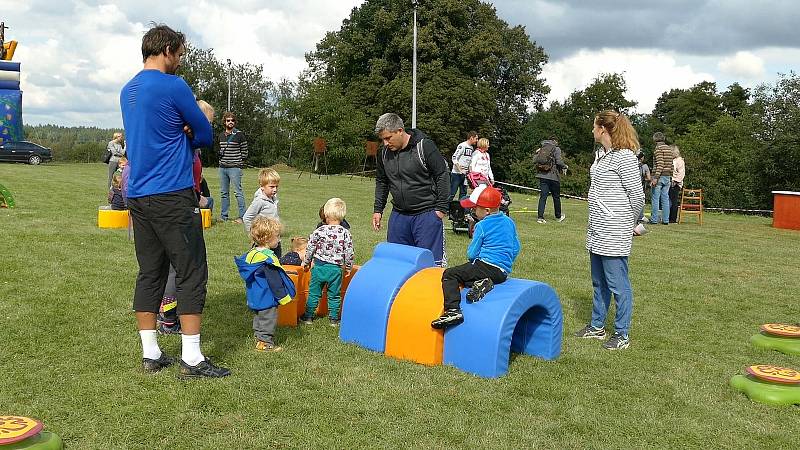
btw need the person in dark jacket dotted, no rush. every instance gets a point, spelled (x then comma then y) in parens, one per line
(411, 167)
(550, 180)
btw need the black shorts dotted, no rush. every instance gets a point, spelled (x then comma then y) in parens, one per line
(168, 229)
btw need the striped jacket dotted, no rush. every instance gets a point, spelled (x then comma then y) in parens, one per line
(232, 149)
(616, 200)
(662, 161)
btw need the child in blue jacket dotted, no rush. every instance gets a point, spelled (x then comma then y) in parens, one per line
(266, 282)
(491, 254)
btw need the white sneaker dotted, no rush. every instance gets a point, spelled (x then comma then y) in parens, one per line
(561, 219)
(541, 221)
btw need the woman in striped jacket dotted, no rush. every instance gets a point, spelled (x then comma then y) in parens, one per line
(616, 200)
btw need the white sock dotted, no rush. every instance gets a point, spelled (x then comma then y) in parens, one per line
(150, 348)
(190, 352)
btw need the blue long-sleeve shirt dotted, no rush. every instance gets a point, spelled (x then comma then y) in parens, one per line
(155, 107)
(495, 241)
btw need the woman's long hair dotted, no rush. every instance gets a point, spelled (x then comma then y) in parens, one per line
(619, 128)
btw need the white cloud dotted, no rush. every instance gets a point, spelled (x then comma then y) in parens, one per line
(648, 73)
(743, 64)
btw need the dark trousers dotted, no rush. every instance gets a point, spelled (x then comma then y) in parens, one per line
(674, 201)
(168, 230)
(549, 187)
(467, 273)
(457, 185)
(423, 230)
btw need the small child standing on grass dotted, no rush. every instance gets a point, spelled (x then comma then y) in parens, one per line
(330, 247)
(491, 254)
(115, 199)
(298, 253)
(265, 201)
(267, 284)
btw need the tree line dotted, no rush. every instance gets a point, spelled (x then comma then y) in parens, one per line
(475, 72)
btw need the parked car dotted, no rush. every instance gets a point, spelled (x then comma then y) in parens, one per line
(24, 151)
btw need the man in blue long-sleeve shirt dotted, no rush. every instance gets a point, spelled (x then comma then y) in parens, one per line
(163, 125)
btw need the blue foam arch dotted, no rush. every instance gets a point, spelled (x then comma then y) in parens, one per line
(520, 315)
(365, 311)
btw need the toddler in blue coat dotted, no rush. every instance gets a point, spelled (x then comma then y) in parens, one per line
(266, 282)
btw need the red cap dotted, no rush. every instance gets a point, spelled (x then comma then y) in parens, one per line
(484, 196)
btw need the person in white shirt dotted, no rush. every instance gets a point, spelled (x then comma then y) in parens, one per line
(678, 174)
(461, 159)
(480, 168)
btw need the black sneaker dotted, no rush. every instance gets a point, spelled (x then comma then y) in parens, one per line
(204, 369)
(448, 318)
(617, 342)
(590, 332)
(335, 322)
(479, 289)
(155, 365)
(306, 320)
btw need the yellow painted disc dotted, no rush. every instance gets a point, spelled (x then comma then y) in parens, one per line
(775, 373)
(781, 329)
(16, 428)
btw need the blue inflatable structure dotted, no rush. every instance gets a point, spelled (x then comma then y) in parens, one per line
(10, 102)
(522, 316)
(365, 312)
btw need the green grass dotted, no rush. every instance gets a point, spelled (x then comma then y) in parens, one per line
(70, 354)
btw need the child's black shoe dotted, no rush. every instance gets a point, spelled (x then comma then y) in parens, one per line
(448, 318)
(479, 289)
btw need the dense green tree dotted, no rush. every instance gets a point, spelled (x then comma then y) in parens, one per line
(474, 71)
(253, 98)
(678, 109)
(735, 100)
(778, 108)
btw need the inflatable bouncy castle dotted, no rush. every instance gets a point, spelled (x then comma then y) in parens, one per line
(10, 94)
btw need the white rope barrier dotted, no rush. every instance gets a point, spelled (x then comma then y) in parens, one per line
(723, 210)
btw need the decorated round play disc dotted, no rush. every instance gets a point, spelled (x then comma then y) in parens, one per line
(781, 329)
(775, 373)
(16, 428)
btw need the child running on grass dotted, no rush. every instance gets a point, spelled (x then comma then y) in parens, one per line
(331, 248)
(265, 201)
(266, 282)
(491, 254)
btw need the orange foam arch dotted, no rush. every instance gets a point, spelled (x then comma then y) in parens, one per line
(409, 334)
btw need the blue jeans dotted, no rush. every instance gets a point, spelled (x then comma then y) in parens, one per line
(228, 176)
(457, 185)
(610, 275)
(659, 197)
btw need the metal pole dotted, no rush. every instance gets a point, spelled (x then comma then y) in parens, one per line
(414, 73)
(229, 84)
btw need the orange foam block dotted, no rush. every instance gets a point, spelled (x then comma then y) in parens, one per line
(409, 334)
(289, 313)
(109, 218)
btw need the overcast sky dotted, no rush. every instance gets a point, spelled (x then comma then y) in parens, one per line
(76, 55)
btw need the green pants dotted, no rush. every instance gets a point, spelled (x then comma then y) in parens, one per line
(325, 273)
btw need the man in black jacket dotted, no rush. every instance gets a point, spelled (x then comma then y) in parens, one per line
(411, 167)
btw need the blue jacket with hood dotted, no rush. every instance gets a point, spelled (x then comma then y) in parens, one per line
(266, 282)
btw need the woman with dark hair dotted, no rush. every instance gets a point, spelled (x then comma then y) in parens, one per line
(616, 200)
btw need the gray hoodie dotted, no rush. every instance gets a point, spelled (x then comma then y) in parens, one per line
(260, 206)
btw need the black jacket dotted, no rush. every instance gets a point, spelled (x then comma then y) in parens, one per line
(419, 181)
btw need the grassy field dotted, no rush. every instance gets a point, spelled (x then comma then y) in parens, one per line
(70, 354)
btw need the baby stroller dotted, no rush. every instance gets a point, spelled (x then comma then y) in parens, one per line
(464, 219)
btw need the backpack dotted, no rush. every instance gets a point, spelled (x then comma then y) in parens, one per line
(545, 158)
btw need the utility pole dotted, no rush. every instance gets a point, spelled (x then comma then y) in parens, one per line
(414, 71)
(229, 85)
